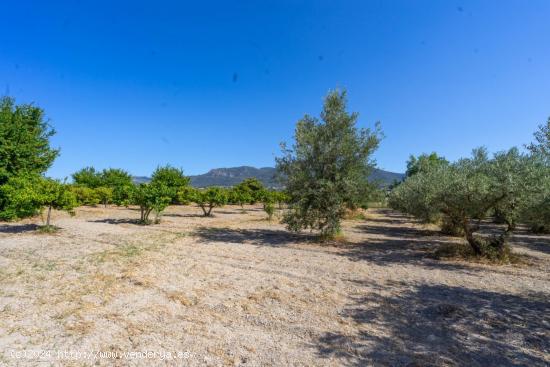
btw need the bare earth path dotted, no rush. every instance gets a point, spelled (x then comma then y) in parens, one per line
(238, 290)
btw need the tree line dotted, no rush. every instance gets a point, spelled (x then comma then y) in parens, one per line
(508, 188)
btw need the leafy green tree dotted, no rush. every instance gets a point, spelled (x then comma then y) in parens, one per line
(468, 191)
(104, 195)
(87, 177)
(327, 169)
(537, 213)
(53, 194)
(115, 177)
(208, 199)
(251, 187)
(268, 199)
(24, 140)
(423, 162)
(171, 177)
(85, 195)
(239, 196)
(19, 197)
(151, 197)
(541, 145)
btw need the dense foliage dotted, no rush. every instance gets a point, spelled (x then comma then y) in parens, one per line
(208, 199)
(461, 195)
(326, 171)
(151, 197)
(171, 177)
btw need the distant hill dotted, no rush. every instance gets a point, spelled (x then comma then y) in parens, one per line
(234, 175)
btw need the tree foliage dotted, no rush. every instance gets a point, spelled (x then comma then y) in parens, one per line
(171, 177)
(251, 188)
(327, 169)
(423, 162)
(24, 140)
(151, 197)
(208, 199)
(464, 193)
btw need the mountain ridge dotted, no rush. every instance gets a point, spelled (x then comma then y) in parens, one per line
(230, 176)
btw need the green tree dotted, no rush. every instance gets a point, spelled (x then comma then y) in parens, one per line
(327, 169)
(423, 162)
(104, 195)
(87, 177)
(85, 195)
(24, 140)
(151, 197)
(468, 191)
(537, 213)
(53, 194)
(208, 199)
(171, 177)
(268, 199)
(251, 187)
(239, 196)
(19, 197)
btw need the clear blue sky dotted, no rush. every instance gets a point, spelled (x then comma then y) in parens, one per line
(216, 84)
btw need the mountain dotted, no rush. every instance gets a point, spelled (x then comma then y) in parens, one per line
(234, 175)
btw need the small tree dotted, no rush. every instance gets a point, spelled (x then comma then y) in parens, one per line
(53, 194)
(104, 195)
(327, 169)
(149, 198)
(251, 188)
(87, 177)
(239, 196)
(209, 199)
(268, 201)
(423, 163)
(173, 178)
(85, 195)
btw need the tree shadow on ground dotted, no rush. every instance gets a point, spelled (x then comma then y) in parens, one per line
(116, 221)
(436, 325)
(535, 242)
(260, 237)
(18, 228)
(176, 215)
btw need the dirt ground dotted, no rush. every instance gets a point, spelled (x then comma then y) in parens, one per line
(238, 290)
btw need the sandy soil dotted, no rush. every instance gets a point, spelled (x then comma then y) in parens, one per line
(238, 290)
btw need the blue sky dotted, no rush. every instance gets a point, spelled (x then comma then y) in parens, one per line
(212, 84)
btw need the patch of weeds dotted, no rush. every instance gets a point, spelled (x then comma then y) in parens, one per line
(47, 266)
(47, 229)
(461, 251)
(355, 215)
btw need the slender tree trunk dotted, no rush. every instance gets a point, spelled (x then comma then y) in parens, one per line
(204, 210)
(49, 215)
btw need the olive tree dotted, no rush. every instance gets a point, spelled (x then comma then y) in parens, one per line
(467, 191)
(326, 170)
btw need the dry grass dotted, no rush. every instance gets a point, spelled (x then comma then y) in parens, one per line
(236, 289)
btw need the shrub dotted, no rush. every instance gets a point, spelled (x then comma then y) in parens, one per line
(104, 195)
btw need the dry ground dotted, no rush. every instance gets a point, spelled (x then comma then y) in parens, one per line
(238, 290)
